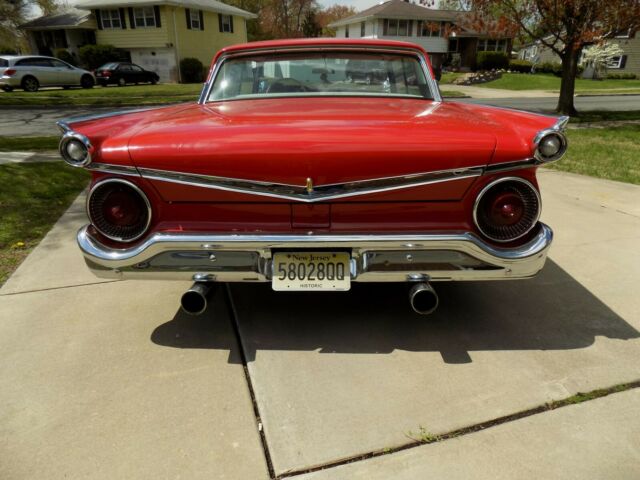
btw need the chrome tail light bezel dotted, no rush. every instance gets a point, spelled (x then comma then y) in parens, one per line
(138, 191)
(66, 140)
(558, 131)
(490, 186)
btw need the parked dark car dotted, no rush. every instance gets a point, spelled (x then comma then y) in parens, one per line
(367, 71)
(121, 73)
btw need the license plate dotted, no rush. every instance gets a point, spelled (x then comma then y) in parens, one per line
(300, 271)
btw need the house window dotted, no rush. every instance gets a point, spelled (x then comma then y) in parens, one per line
(226, 25)
(492, 45)
(626, 34)
(396, 28)
(430, 29)
(346, 31)
(363, 27)
(615, 62)
(194, 19)
(453, 45)
(144, 17)
(110, 18)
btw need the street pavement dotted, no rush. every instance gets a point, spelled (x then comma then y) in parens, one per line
(22, 121)
(110, 380)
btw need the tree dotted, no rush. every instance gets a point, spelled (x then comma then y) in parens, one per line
(333, 14)
(566, 27)
(12, 15)
(598, 56)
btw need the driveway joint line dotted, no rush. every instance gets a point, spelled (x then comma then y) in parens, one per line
(553, 405)
(57, 288)
(256, 411)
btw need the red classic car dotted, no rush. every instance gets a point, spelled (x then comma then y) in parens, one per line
(290, 171)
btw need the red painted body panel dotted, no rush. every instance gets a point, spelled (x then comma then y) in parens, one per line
(328, 139)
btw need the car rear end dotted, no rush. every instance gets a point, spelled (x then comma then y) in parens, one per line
(345, 189)
(9, 75)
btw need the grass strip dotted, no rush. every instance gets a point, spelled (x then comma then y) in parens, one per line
(32, 198)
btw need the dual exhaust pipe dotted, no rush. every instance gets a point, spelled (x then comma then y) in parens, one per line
(422, 298)
(195, 300)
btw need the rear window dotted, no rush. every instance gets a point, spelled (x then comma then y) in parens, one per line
(321, 74)
(108, 66)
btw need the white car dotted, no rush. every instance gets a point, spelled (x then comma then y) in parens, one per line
(30, 72)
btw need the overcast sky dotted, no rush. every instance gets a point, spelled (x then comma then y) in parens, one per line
(359, 4)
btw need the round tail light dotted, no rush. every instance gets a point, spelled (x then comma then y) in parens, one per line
(507, 209)
(119, 210)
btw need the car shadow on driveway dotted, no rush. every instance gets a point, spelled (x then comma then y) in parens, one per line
(550, 312)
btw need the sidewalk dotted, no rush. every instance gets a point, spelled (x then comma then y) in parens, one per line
(28, 157)
(481, 92)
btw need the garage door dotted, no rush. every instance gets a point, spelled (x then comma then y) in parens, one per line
(159, 60)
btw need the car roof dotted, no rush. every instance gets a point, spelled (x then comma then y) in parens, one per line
(322, 42)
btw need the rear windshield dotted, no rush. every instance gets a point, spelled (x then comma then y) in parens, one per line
(108, 66)
(320, 74)
(4, 63)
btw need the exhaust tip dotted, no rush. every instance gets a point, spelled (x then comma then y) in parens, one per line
(194, 301)
(423, 298)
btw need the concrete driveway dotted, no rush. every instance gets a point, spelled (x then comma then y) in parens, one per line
(110, 380)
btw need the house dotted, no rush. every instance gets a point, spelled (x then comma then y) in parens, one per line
(155, 34)
(69, 29)
(628, 62)
(439, 32)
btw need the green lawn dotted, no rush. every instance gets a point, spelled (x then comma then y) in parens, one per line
(524, 81)
(611, 153)
(448, 78)
(28, 144)
(108, 96)
(32, 197)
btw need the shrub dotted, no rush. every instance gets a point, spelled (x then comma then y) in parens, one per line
(65, 56)
(7, 50)
(622, 76)
(191, 70)
(94, 56)
(492, 60)
(554, 68)
(520, 66)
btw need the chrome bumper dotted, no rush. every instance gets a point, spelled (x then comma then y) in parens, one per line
(374, 257)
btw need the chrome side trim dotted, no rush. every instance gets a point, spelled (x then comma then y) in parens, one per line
(65, 123)
(431, 81)
(318, 193)
(114, 169)
(247, 257)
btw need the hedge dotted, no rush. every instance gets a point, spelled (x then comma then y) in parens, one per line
(492, 60)
(622, 76)
(191, 70)
(94, 56)
(520, 66)
(65, 56)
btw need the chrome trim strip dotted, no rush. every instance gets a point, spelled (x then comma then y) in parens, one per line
(64, 124)
(431, 81)
(137, 190)
(499, 263)
(114, 169)
(496, 182)
(319, 193)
